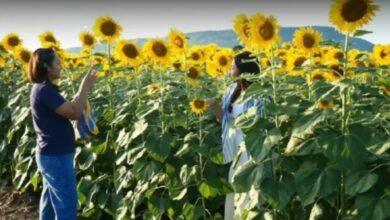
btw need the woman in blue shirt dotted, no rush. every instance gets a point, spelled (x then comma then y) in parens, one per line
(55, 136)
(243, 63)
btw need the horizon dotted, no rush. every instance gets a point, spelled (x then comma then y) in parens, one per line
(66, 19)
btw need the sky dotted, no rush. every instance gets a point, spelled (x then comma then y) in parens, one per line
(153, 18)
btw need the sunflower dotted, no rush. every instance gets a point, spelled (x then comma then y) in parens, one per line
(325, 104)
(349, 15)
(241, 27)
(153, 88)
(295, 61)
(157, 50)
(193, 74)
(356, 59)
(336, 71)
(87, 39)
(22, 55)
(333, 54)
(107, 29)
(381, 54)
(178, 41)
(196, 55)
(128, 53)
(316, 75)
(198, 106)
(178, 65)
(264, 31)
(48, 40)
(221, 62)
(307, 39)
(12, 41)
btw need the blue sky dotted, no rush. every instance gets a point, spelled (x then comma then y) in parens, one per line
(152, 18)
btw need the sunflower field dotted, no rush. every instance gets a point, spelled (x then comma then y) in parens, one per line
(324, 153)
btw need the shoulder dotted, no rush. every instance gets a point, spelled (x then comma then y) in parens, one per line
(42, 89)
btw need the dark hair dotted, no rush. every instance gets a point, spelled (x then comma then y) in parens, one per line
(37, 70)
(246, 64)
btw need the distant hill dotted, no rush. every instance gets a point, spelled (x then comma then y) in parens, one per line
(227, 38)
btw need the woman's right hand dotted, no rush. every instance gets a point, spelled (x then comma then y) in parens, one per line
(215, 106)
(211, 102)
(90, 79)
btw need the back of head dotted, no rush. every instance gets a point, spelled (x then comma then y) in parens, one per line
(40, 60)
(247, 63)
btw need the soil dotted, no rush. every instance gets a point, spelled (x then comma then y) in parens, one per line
(15, 205)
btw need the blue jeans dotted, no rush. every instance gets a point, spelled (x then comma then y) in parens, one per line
(59, 194)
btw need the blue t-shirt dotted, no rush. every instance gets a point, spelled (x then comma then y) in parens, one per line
(55, 135)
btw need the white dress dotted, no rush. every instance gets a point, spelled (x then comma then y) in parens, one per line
(236, 136)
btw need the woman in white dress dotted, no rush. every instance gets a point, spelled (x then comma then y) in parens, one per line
(243, 63)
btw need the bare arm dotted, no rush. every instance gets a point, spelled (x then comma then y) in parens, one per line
(73, 110)
(216, 108)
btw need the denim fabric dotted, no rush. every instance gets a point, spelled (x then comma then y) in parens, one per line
(59, 194)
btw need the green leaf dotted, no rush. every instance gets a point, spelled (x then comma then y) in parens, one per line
(370, 207)
(250, 174)
(85, 158)
(301, 129)
(359, 33)
(180, 195)
(312, 183)
(158, 205)
(192, 212)
(278, 193)
(359, 182)
(123, 138)
(160, 149)
(139, 128)
(254, 144)
(207, 190)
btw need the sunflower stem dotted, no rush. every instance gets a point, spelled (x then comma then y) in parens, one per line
(274, 84)
(109, 73)
(344, 126)
(162, 100)
(187, 93)
(201, 163)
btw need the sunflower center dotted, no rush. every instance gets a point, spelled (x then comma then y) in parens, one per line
(159, 49)
(179, 42)
(318, 77)
(193, 73)
(308, 41)
(50, 38)
(354, 10)
(338, 55)
(337, 70)
(130, 51)
(195, 56)
(199, 104)
(13, 41)
(325, 103)
(223, 61)
(25, 56)
(317, 54)
(88, 40)
(299, 61)
(281, 54)
(266, 30)
(383, 54)
(108, 28)
(177, 65)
